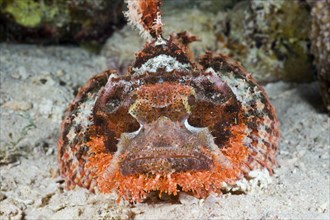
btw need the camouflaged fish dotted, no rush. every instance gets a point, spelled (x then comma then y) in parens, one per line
(169, 124)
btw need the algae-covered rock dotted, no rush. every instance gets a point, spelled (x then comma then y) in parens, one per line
(270, 38)
(212, 6)
(320, 36)
(75, 21)
(31, 13)
(197, 23)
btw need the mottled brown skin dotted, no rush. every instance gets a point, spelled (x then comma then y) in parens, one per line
(168, 124)
(170, 49)
(78, 150)
(253, 117)
(156, 105)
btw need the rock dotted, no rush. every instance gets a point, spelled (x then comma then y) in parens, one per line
(2, 196)
(89, 22)
(320, 37)
(187, 199)
(21, 73)
(212, 199)
(119, 48)
(11, 211)
(195, 22)
(269, 38)
(212, 6)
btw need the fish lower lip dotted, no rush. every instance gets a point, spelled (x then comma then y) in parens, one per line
(165, 164)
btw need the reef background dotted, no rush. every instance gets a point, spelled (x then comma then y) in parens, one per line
(280, 42)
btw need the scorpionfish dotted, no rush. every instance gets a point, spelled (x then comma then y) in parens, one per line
(169, 124)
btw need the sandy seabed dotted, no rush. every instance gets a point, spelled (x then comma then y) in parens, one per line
(38, 82)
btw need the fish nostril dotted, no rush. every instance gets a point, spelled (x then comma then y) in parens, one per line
(112, 105)
(191, 100)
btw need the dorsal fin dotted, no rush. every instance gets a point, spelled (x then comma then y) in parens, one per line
(145, 15)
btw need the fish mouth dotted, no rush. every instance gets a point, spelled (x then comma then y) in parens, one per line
(165, 161)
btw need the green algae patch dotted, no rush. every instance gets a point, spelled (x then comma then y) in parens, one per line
(59, 21)
(31, 13)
